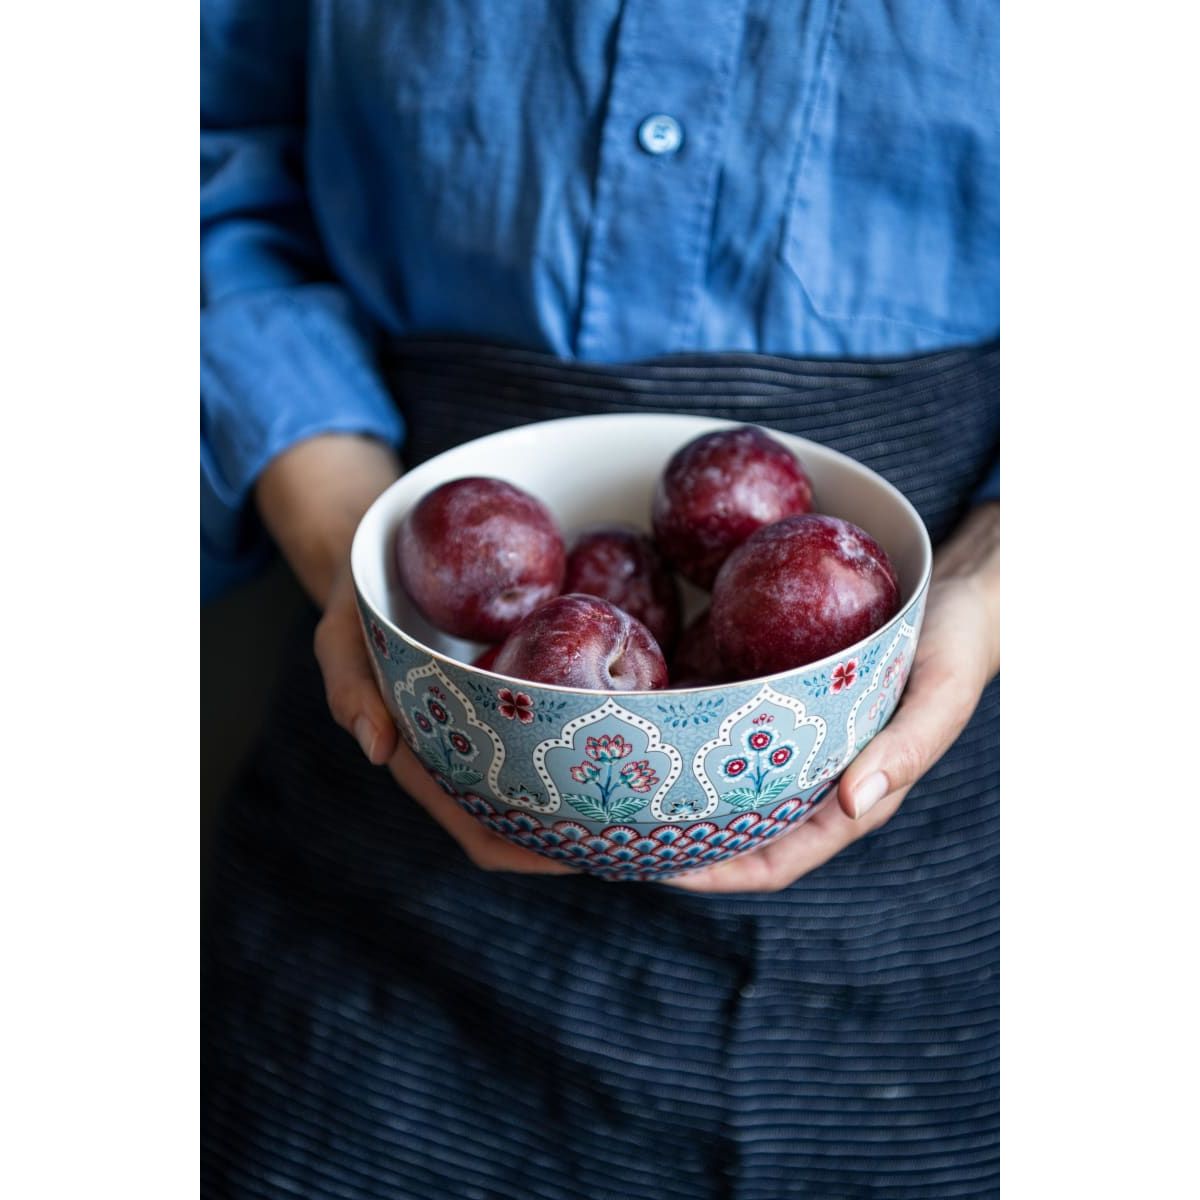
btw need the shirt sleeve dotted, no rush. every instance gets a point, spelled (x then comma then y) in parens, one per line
(284, 354)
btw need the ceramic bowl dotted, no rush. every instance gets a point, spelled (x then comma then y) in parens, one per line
(633, 785)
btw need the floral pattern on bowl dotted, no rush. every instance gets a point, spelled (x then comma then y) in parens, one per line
(641, 785)
(611, 782)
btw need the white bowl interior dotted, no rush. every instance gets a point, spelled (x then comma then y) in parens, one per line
(600, 469)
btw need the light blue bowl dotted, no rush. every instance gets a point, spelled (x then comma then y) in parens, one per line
(633, 785)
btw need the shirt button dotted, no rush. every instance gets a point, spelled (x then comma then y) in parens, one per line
(660, 134)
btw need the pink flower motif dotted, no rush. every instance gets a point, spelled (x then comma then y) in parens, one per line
(585, 772)
(607, 748)
(638, 776)
(735, 766)
(781, 756)
(896, 673)
(378, 638)
(844, 675)
(760, 739)
(440, 715)
(460, 743)
(514, 704)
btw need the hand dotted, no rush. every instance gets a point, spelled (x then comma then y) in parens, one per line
(486, 850)
(957, 655)
(356, 705)
(311, 498)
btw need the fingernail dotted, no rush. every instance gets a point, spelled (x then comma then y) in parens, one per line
(869, 793)
(365, 732)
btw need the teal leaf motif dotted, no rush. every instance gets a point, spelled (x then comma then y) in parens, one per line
(773, 789)
(465, 776)
(742, 803)
(550, 711)
(678, 715)
(740, 796)
(626, 809)
(869, 659)
(588, 806)
(743, 798)
(484, 696)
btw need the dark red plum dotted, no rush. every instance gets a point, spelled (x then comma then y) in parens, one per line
(487, 660)
(622, 566)
(478, 555)
(717, 490)
(799, 590)
(697, 661)
(583, 642)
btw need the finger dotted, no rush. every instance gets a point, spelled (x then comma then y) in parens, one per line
(487, 850)
(935, 707)
(350, 688)
(790, 856)
(749, 872)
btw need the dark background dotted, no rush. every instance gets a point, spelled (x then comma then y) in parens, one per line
(241, 640)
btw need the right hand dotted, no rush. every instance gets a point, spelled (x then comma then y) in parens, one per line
(311, 498)
(356, 705)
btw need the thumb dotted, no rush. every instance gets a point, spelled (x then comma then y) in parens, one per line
(935, 708)
(350, 688)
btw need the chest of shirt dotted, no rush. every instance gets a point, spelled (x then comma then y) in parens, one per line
(793, 175)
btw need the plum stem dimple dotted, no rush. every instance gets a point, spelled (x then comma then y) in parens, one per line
(617, 659)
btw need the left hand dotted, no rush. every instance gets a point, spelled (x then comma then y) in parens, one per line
(957, 655)
(312, 497)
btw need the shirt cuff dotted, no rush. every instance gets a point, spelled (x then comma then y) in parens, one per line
(276, 367)
(282, 365)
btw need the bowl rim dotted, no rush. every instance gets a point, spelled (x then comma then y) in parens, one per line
(714, 423)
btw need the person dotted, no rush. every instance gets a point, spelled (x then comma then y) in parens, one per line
(424, 222)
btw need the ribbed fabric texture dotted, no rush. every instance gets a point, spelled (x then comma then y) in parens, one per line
(930, 425)
(384, 1020)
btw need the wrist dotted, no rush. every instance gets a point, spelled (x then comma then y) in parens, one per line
(970, 560)
(973, 550)
(312, 497)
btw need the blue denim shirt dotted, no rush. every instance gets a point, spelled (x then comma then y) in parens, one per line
(604, 180)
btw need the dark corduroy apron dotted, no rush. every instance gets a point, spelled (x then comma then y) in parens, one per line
(384, 1020)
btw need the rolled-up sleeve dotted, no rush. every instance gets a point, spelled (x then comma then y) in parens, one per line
(284, 353)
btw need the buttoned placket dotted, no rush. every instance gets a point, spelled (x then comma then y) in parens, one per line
(658, 173)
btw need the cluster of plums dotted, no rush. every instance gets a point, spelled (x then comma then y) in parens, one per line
(732, 513)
